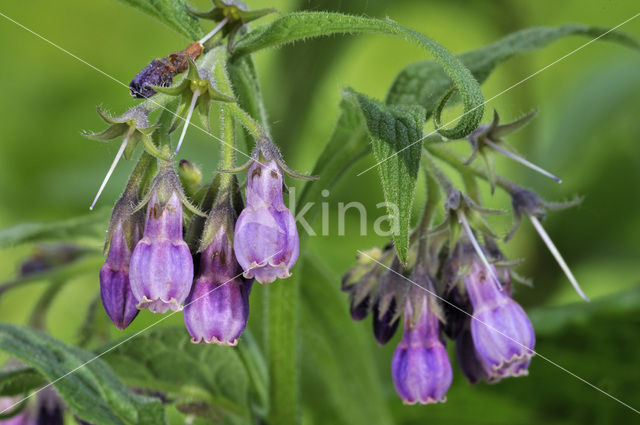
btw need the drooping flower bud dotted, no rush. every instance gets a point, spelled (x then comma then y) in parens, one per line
(421, 369)
(502, 333)
(385, 323)
(161, 269)
(217, 309)
(115, 288)
(125, 230)
(266, 238)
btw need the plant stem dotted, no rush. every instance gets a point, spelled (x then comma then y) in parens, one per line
(282, 298)
(457, 162)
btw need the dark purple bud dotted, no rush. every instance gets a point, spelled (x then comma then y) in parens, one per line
(502, 333)
(421, 369)
(468, 360)
(49, 408)
(454, 311)
(217, 309)
(266, 238)
(385, 325)
(115, 289)
(361, 310)
(161, 270)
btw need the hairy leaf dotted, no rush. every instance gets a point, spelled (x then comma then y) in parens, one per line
(425, 83)
(348, 143)
(19, 381)
(299, 26)
(86, 384)
(90, 224)
(551, 320)
(172, 13)
(393, 132)
(164, 359)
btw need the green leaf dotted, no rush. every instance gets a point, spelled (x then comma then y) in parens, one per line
(393, 132)
(85, 383)
(164, 359)
(90, 224)
(172, 13)
(425, 83)
(551, 320)
(19, 381)
(300, 26)
(348, 143)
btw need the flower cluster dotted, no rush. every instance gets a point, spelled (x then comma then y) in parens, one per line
(452, 285)
(150, 266)
(493, 335)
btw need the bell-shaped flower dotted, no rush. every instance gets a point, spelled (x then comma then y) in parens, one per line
(266, 240)
(421, 369)
(217, 309)
(161, 269)
(125, 230)
(502, 333)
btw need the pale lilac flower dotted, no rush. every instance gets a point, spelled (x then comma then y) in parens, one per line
(266, 238)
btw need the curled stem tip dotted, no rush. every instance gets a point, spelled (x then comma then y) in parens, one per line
(123, 145)
(476, 246)
(192, 106)
(522, 161)
(556, 254)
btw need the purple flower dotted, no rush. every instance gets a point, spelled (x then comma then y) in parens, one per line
(161, 269)
(217, 309)
(421, 369)
(266, 239)
(115, 289)
(502, 333)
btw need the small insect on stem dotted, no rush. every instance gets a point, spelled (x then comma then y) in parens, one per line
(194, 99)
(556, 254)
(521, 160)
(476, 246)
(125, 141)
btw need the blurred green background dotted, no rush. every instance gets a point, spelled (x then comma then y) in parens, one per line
(587, 132)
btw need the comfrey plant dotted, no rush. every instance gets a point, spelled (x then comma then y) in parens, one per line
(451, 283)
(183, 240)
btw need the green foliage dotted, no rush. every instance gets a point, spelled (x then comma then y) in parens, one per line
(164, 359)
(19, 381)
(395, 133)
(86, 225)
(348, 144)
(172, 13)
(87, 385)
(425, 83)
(300, 26)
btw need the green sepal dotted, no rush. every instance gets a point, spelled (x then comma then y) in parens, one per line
(110, 133)
(234, 12)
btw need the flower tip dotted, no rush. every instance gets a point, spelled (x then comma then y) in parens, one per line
(214, 340)
(159, 305)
